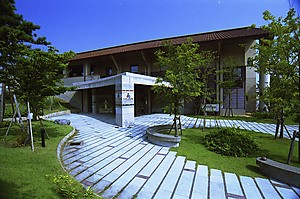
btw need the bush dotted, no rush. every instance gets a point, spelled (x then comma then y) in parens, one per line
(67, 187)
(230, 142)
(264, 115)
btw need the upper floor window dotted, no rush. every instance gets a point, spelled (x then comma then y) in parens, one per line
(109, 71)
(238, 76)
(75, 71)
(134, 68)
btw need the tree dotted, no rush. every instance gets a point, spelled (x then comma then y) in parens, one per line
(231, 76)
(32, 72)
(205, 72)
(37, 75)
(280, 57)
(181, 80)
(16, 34)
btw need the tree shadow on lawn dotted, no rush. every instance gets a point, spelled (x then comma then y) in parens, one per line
(192, 138)
(11, 190)
(255, 169)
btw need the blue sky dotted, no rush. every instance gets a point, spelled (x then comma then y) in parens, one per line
(82, 25)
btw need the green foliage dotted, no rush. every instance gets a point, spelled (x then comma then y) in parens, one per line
(230, 142)
(70, 188)
(38, 75)
(183, 65)
(33, 73)
(231, 77)
(264, 115)
(280, 58)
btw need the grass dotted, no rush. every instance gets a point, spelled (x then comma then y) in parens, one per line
(57, 105)
(23, 172)
(191, 146)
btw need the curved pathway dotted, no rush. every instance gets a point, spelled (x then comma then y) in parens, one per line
(119, 162)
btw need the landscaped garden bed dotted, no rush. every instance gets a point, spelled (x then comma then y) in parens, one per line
(192, 146)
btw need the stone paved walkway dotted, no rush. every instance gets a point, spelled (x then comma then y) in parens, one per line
(121, 163)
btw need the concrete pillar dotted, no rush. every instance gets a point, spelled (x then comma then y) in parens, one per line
(94, 101)
(85, 103)
(148, 102)
(264, 81)
(124, 87)
(250, 82)
(86, 70)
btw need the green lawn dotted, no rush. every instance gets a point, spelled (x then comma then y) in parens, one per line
(57, 105)
(191, 146)
(23, 172)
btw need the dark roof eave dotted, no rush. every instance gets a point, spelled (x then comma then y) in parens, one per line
(238, 33)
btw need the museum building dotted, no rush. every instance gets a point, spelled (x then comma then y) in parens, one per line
(118, 80)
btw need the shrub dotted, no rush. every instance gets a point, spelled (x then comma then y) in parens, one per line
(263, 115)
(67, 187)
(230, 142)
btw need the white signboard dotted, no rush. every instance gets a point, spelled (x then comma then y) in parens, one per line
(212, 108)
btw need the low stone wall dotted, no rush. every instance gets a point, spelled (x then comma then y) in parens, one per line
(61, 145)
(283, 172)
(157, 138)
(57, 114)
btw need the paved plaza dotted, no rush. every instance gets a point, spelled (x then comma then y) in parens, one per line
(120, 163)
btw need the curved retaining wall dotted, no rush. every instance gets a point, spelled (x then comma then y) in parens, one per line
(61, 146)
(160, 139)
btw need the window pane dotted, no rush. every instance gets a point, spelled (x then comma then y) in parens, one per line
(134, 69)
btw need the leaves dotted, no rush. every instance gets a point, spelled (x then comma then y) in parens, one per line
(184, 66)
(280, 58)
(33, 73)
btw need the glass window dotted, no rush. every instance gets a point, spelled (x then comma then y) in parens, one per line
(134, 69)
(109, 71)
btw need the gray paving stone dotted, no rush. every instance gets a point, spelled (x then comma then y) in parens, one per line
(266, 188)
(184, 186)
(200, 188)
(132, 188)
(150, 187)
(250, 188)
(128, 175)
(169, 183)
(285, 190)
(216, 188)
(233, 186)
(297, 190)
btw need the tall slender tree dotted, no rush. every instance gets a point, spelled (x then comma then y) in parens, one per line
(181, 80)
(33, 73)
(16, 35)
(231, 76)
(280, 57)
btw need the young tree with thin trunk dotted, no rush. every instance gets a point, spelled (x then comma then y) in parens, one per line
(231, 75)
(280, 57)
(181, 80)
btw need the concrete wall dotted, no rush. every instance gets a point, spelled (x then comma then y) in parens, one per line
(72, 97)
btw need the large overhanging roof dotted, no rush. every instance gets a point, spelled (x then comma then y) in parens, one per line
(238, 33)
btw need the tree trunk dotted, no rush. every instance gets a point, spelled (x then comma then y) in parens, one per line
(281, 124)
(2, 103)
(11, 101)
(205, 113)
(277, 126)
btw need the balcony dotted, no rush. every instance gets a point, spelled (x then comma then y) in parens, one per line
(68, 81)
